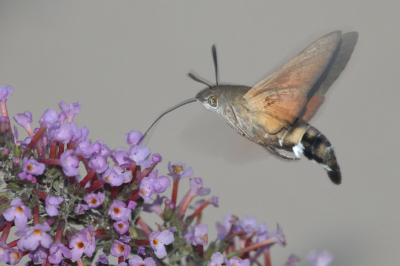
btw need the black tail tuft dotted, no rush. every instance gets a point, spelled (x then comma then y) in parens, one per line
(318, 148)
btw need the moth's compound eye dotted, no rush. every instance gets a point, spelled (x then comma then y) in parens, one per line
(212, 101)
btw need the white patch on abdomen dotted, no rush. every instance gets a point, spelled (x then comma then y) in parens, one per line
(298, 150)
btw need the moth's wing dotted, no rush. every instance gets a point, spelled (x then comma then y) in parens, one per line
(278, 108)
(312, 107)
(293, 81)
(334, 68)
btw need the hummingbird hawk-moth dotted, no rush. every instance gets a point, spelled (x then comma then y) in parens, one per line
(275, 112)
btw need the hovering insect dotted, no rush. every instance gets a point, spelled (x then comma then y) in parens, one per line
(275, 112)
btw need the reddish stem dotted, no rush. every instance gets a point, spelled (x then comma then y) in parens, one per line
(52, 220)
(13, 243)
(86, 164)
(61, 148)
(121, 259)
(25, 253)
(134, 171)
(87, 178)
(48, 262)
(42, 195)
(258, 245)
(185, 204)
(6, 232)
(99, 232)
(198, 211)
(79, 262)
(134, 197)
(142, 242)
(144, 226)
(36, 215)
(37, 136)
(71, 145)
(146, 172)
(114, 192)
(53, 150)
(96, 185)
(49, 161)
(200, 250)
(175, 192)
(247, 244)
(267, 258)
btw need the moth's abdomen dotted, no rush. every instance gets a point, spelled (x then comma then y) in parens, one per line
(318, 148)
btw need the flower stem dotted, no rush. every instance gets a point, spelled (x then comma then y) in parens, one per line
(99, 232)
(87, 178)
(142, 242)
(240, 253)
(36, 137)
(134, 196)
(13, 243)
(144, 226)
(175, 191)
(267, 258)
(36, 215)
(79, 262)
(49, 161)
(42, 195)
(6, 232)
(121, 259)
(61, 147)
(53, 150)
(96, 185)
(200, 250)
(114, 192)
(198, 211)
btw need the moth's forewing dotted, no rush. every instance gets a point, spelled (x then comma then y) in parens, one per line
(338, 62)
(299, 74)
(282, 105)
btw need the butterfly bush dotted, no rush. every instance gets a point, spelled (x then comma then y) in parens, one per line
(65, 218)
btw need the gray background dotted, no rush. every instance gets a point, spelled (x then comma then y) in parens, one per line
(126, 61)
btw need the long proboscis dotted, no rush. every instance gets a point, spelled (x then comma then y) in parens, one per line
(166, 112)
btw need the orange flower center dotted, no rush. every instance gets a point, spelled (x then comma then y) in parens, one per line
(16, 255)
(143, 192)
(29, 167)
(116, 210)
(121, 248)
(177, 168)
(80, 245)
(37, 232)
(121, 226)
(155, 242)
(19, 209)
(107, 178)
(93, 201)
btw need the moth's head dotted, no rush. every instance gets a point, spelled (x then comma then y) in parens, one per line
(208, 98)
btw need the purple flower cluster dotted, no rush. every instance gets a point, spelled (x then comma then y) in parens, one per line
(46, 196)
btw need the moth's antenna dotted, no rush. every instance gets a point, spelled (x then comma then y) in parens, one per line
(214, 53)
(199, 80)
(166, 112)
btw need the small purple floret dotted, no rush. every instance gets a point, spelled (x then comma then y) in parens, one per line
(5, 92)
(133, 137)
(49, 117)
(119, 249)
(118, 211)
(69, 163)
(69, 111)
(18, 213)
(53, 204)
